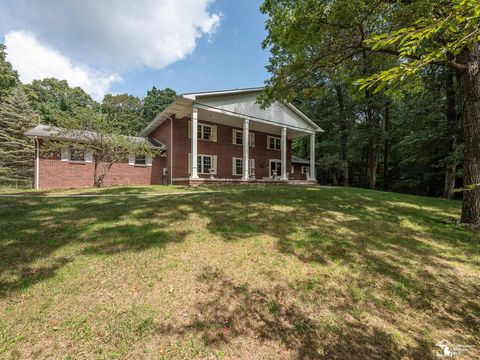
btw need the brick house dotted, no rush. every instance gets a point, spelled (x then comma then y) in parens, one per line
(231, 130)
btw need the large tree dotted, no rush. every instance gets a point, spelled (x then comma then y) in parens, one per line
(156, 101)
(8, 76)
(16, 151)
(55, 100)
(125, 111)
(307, 36)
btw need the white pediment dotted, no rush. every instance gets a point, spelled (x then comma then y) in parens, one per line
(245, 104)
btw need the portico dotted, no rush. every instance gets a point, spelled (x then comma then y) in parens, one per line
(230, 138)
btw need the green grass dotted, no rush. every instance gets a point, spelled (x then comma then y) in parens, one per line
(246, 272)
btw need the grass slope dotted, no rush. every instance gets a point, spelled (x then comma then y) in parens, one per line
(253, 272)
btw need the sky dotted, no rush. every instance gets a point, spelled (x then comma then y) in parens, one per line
(124, 46)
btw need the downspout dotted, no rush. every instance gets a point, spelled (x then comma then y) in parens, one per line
(171, 151)
(37, 164)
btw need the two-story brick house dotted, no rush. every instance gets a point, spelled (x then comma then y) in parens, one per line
(208, 137)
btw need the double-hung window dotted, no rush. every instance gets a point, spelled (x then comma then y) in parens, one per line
(205, 132)
(237, 138)
(273, 142)
(238, 166)
(205, 163)
(305, 170)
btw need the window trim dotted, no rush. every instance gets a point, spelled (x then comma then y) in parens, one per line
(201, 128)
(235, 132)
(251, 137)
(307, 169)
(234, 167)
(276, 138)
(200, 164)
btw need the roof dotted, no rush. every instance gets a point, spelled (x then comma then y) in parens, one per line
(187, 99)
(51, 132)
(298, 160)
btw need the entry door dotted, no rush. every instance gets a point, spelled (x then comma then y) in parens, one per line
(275, 165)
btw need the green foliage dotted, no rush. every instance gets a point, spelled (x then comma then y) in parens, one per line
(433, 37)
(156, 101)
(124, 112)
(56, 101)
(16, 151)
(8, 76)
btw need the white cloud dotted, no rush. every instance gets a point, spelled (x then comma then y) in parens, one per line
(33, 61)
(117, 34)
(73, 39)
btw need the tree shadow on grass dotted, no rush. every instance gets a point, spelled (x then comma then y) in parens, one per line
(248, 317)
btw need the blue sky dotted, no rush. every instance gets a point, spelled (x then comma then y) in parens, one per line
(123, 46)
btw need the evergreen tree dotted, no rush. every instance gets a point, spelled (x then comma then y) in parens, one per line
(16, 151)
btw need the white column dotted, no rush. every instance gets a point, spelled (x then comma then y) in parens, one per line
(194, 136)
(312, 157)
(246, 170)
(283, 147)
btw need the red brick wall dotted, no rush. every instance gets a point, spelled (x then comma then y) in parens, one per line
(162, 134)
(224, 149)
(56, 174)
(297, 172)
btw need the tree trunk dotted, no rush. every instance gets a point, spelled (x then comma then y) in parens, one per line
(371, 168)
(386, 145)
(451, 114)
(343, 133)
(469, 91)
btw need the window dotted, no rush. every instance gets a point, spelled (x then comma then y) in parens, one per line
(140, 159)
(237, 138)
(273, 142)
(204, 132)
(305, 170)
(77, 155)
(238, 166)
(204, 164)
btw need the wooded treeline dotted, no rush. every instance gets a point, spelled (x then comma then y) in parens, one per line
(53, 102)
(395, 84)
(410, 141)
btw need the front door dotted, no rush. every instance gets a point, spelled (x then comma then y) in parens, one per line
(275, 169)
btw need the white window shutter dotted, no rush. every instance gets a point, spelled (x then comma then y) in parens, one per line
(251, 139)
(131, 159)
(214, 133)
(252, 164)
(88, 156)
(214, 164)
(233, 136)
(268, 142)
(65, 153)
(148, 159)
(189, 129)
(292, 170)
(189, 163)
(233, 166)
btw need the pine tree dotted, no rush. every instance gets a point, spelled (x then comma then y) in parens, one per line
(16, 151)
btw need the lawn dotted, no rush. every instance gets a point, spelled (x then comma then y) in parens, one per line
(251, 272)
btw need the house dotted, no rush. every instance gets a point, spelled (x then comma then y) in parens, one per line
(208, 137)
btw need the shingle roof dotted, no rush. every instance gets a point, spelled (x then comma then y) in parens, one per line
(51, 132)
(298, 160)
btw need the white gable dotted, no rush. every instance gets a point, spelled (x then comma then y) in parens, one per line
(245, 104)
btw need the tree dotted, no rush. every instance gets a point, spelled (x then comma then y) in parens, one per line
(125, 111)
(156, 101)
(16, 151)
(8, 76)
(55, 100)
(100, 136)
(447, 35)
(387, 41)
